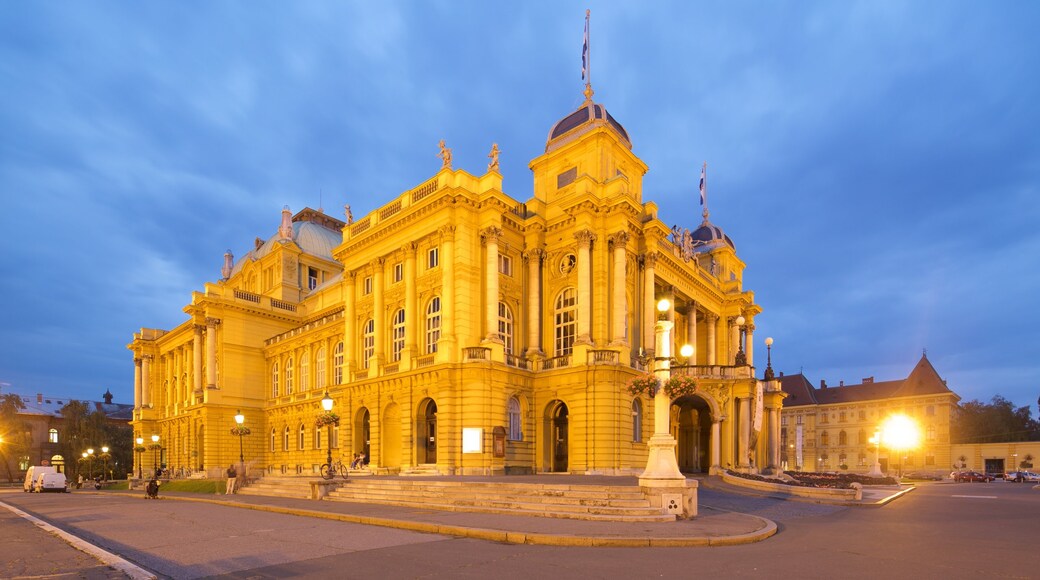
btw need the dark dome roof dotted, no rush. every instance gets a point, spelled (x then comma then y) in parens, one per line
(710, 235)
(589, 116)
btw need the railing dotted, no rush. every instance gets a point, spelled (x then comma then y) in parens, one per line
(390, 210)
(424, 190)
(518, 361)
(604, 357)
(424, 361)
(556, 362)
(471, 353)
(283, 305)
(714, 371)
(360, 375)
(360, 226)
(247, 296)
(391, 368)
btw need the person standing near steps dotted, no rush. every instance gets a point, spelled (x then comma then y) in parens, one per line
(232, 475)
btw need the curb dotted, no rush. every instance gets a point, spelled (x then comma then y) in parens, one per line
(768, 529)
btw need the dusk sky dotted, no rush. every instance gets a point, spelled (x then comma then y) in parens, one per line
(877, 164)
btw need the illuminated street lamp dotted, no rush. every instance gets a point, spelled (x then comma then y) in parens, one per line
(241, 429)
(326, 403)
(876, 441)
(662, 469)
(155, 454)
(90, 462)
(104, 457)
(900, 434)
(741, 358)
(139, 449)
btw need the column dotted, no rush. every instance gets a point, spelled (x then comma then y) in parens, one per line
(619, 309)
(378, 316)
(137, 383)
(743, 431)
(773, 441)
(447, 346)
(411, 315)
(713, 322)
(691, 331)
(716, 445)
(350, 338)
(734, 340)
(211, 352)
(196, 361)
(584, 239)
(534, 301)
(146, 381)
(649, 299)
(749, 344)
(491, 236)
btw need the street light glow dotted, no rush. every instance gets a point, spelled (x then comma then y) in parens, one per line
(900, 432)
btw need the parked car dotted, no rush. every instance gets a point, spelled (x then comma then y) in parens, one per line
(1020, 476)
(33, 474)
(52, 482)
(970, 476)
(925, 475)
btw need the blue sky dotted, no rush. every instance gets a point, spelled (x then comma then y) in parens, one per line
(876, 163)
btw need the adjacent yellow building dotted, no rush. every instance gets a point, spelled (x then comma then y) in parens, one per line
(832, 428)
(461, 331)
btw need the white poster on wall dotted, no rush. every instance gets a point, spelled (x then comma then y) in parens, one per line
(472, 440)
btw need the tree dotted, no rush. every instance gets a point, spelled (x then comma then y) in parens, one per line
(15, 432)
(996, 422)
(91, 429)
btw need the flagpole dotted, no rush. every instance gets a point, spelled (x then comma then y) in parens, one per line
(704, 190)
(587, 58)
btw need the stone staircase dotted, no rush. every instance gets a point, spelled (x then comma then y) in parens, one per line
(295, 486)
(584, 502)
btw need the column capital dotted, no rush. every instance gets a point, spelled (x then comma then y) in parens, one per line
(711, 317)
(584, 238)
(619, 239)
(750, 327)
(210, 321)
(200, 328)
(491, 234)
(533, 254)
(447, 231)
(649, 259)
(409, 249)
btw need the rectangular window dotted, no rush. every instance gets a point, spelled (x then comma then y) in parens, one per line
(567, 177)
(505, 265)
(398, 272)
(433, 258)
(312, 278)
(367, 286)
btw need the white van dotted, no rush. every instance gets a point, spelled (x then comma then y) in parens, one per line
(52, 482)
(33, 474)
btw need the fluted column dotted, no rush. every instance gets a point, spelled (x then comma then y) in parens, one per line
(649, 298)
(447, 293)
(378, 314)
(773, 440)
(534, 301)
(350, 338)
(712, 320)
(619, 308)
(491, 237)
(584, 239)
(146, 380)
(137, 382)
(691, 331)
(716, 445)
(211, 352)
(749, 344)
(734, 340)
(196, 360)
(411, 316)
(743, 431)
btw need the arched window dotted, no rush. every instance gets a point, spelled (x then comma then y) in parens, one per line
(52, 436)
(505, 326)
(289, 376)
(319, 368)
(516, 431)
(317, 438)
(303, 437)
(861, 437)
(637, 421)
(433, 324)
(843, 439)
(274, 438)
(368, 341)
(305, 371)
(824, 438)
(335, 437)
(285, 439)
(565, 322)
(841, 460)
(862, 458)
(397, 336)
(337, 364)
(274, 380)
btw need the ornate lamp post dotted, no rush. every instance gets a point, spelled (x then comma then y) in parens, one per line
(155, 454)
(741, 358)
(241, 430)
(326, 403)
(662, 469)
(104, 457)
(90, 462)
(876, 440)
(139, 449)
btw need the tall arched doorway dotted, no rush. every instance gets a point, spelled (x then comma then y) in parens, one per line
(426, 429)
(363, 434)
(556, 436)
(390, 436)
(691, 426)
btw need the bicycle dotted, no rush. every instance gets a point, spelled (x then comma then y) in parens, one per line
(331, 470)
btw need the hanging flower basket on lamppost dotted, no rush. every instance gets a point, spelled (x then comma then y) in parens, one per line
(327, 419)
(240, 431)
(643, 384)
(679, 386)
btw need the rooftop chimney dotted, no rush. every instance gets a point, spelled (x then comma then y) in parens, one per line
(841, 383)
(39, 398)
(868, 380)
(823, 384)
(108, 397)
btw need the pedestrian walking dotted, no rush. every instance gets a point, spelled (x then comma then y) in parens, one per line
(232, 475)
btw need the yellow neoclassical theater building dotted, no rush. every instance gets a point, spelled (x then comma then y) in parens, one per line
(461, 331)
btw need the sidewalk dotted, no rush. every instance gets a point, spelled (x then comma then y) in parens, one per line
(711, 527)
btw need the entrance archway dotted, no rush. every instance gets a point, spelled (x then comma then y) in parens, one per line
(556, 436)
(390, 436)
(426, 428)
(691, 426)
(363, 434)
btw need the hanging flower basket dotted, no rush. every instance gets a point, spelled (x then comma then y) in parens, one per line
(240, 430)
(680, 385)
(643, 384)
(140, 448)
(327, 419)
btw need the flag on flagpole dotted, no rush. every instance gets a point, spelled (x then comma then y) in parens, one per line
(704, 185)
(585, 49)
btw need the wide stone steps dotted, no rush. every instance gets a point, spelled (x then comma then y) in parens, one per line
(296, 487)
(589, 502)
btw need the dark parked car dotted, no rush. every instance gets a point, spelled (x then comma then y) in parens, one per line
(970, 476)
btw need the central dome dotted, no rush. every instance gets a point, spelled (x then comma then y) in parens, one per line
(588, 117)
